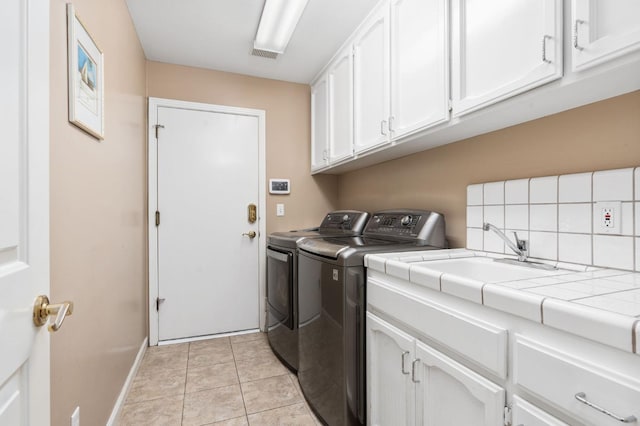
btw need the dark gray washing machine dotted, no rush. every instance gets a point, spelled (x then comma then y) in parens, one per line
(331, 305)
(282, 279)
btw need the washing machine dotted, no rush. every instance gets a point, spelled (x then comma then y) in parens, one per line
(282, 278)
(332, 301)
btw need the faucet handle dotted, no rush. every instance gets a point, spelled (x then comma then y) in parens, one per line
(522, 244)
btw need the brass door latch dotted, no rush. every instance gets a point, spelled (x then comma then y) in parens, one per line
(42, 310)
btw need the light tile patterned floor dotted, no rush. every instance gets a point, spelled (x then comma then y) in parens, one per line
(224, 381)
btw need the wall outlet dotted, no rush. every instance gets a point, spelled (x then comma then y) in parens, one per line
(608, 217)
(279, 209)
(75, 417)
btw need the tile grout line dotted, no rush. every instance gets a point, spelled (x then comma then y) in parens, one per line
(244, 403)
(186, 375)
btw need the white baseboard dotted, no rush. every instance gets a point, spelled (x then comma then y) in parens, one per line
(127, 384)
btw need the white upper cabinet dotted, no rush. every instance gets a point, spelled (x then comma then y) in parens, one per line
(320, 124)
(341, 106)
(502, 48)
(419, 65)
(371, 82)
(602, 30)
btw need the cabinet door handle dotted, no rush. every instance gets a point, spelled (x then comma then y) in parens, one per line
(582, 397)
(544, 48)
(383, 124)
(324, 155)
(391, 120)
(577, 23)
(404, 354)
(413, 370)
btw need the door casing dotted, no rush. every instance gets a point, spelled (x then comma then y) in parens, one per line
(152, 180)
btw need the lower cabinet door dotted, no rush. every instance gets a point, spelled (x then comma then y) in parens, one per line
(390, 391)
(451, 394)
(526, 414)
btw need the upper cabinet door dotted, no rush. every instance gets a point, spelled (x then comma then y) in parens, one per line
(341, 106)
(320, 124)
(419, 65)
(503, 48)
(602, 30)
(371, 81)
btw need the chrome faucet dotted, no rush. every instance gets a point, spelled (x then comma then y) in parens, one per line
(520, 247)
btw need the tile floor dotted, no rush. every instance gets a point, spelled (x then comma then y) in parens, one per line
(224, 381)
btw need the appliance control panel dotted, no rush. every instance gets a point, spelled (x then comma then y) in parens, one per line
(399, 224)
(408, 225)
(350, 221)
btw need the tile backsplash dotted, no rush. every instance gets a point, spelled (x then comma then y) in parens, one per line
(561, 217)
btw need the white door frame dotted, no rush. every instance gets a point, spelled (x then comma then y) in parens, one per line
(152, 173)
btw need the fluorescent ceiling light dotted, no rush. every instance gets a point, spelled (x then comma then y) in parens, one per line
(278, 21)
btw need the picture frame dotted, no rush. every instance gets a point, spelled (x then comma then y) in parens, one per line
(85, 77)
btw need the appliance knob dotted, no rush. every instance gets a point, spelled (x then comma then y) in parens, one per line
(345, 218)
(406, 220)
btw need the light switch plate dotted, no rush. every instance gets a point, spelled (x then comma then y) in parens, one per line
(608, 217)
(279, 209)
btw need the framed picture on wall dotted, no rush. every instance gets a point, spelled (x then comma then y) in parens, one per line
(86, 78)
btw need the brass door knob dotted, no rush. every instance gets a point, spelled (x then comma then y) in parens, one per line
(42, 310)
(250, 234)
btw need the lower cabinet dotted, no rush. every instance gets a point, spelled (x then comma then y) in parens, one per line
(526, 414)
(549, 377)
(411, 383)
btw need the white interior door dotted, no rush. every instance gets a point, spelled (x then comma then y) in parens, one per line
(208, 175)
(24, 210)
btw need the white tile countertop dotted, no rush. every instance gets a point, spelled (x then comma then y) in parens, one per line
(595, 303)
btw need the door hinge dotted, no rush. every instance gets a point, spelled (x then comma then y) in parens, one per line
(157, 218)
(158, 126)
(507, 415)
(158, 302)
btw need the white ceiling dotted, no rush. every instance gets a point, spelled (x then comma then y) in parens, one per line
(218, 34)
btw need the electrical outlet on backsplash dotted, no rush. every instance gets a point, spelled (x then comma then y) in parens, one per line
(585, 218)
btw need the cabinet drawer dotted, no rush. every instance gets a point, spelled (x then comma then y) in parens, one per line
(525, 414)
(558, 377)
(476, 340)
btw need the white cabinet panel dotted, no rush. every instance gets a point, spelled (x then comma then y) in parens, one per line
(602, 30)
(371, 82)
(419, 65)
(320, 124)
(451, 394)
(558, 377)
(410, 383)
(502, 48)
(341, 106)
(480, 342)
(391, 394)
(526, 414)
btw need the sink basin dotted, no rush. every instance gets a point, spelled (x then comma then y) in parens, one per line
(486, 269)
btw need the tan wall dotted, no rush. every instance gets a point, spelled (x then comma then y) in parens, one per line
(287, 107)
(98, 240)
(603, 135)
